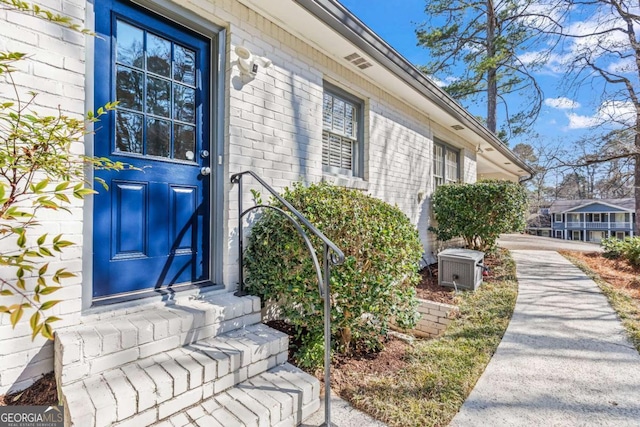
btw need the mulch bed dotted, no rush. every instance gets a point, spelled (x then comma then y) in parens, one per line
(617, 272)
(429, 289)
(42, 393)
(347, 371)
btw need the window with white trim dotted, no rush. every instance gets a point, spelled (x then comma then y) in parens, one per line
(446, 164)
(342, 145)
(558, 217)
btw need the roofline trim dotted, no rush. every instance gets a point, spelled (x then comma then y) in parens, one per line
(353, 29)
(597, 202)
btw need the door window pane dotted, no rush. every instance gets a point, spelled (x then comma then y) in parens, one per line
(184, 142)
(129, 88)
(158, 96)
(184, 65)
(184, 103)
(130, 45)
(128, 132)
(158, 55)
(158, 138)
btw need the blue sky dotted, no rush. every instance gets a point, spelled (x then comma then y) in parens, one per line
(563, 117)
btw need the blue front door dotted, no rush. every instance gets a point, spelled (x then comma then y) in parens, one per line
(151, 228)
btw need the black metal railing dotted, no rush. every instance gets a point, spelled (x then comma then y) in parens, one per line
(332, 255)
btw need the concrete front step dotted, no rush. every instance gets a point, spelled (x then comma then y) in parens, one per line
(102, 343)
(282, 397)
(156, 387)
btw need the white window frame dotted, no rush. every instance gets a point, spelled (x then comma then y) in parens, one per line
(344, 143)
(441, 165)
(556, 216)
(596, 215)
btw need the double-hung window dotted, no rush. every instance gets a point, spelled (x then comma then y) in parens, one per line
(446, 164)
(342, 146)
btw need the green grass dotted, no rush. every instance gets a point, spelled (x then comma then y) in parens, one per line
(442, 372)
(627, 308)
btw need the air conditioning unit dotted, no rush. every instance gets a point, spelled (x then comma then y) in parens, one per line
(462, 266)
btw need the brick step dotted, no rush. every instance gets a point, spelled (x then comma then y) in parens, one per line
(159, 386)
(282, 397)
(100, 344)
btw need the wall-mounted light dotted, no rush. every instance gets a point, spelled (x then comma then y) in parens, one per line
(248, 64)
(479, 150)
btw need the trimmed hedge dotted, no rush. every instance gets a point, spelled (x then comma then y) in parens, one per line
(479, 212)
(374, 285)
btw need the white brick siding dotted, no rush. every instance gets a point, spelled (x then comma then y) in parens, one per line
(273, 126)
(276, 127)
(434, 318)
(54, 69)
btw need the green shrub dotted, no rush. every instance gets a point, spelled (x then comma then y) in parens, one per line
(479, 212)
(629, 249)
(612, 247)
(373, 286)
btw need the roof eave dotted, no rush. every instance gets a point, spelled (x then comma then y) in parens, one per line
(349, 26)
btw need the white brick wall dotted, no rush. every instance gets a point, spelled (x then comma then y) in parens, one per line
(272, 126)
(434, 318)
(55, 69)
(276, 127)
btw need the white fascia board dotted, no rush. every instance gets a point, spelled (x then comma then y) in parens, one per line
(600, 203)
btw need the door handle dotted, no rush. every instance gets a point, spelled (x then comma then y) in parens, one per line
(205, 170)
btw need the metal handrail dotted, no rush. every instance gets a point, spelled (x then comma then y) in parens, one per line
(332, 255)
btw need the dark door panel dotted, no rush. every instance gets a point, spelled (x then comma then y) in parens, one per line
(151, 229)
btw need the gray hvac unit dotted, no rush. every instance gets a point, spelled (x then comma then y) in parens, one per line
(462, 266)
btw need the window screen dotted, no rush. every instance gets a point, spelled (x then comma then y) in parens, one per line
(446, 164)
(341, 135)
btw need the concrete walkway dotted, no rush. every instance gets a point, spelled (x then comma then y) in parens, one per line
(342, 415)
(529, 242)
(564, 360)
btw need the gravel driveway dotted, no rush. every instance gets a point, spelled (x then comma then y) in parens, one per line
(529, 242)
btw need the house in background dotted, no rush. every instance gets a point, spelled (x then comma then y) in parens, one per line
(592, 220)
(290, 90)
(539, 224)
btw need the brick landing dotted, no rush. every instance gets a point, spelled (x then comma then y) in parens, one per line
(196, 362)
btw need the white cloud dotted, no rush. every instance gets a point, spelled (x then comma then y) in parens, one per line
(561, 103)
(437, 81)
(577, 121)
(442, 83)
(623, 66)
(597, 35)
(609, 112)
(600, 34)
(529, 58)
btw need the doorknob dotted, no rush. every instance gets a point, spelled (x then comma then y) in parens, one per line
(205, 170)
